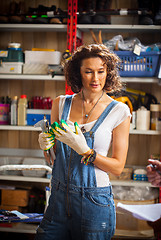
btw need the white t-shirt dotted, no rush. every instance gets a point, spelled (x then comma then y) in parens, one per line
(103, 134)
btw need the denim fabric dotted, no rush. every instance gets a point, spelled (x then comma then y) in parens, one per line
(78, 209)
(78, 214)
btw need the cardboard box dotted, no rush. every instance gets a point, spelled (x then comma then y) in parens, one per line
(14, 197)
(125, 221)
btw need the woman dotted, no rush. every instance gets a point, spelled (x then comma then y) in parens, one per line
(81, 205)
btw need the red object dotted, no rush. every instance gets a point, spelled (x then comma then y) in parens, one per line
(23, 96)
(71, 32)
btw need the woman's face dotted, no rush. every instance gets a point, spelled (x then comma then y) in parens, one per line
(93, 72)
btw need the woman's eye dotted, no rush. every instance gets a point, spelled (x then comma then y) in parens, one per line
(102, 71)
(88, 72)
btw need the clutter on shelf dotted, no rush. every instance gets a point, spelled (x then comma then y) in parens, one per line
(144, 107)
(17, 12)
(26, 199)
(137, 60)
(22, 111)
(37, 61)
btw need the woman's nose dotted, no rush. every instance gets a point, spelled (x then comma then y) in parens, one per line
(95, 75)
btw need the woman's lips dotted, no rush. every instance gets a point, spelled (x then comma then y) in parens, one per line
(94, 85)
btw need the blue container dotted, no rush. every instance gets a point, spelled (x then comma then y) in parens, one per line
(145, 65)
(140, 177)
(35, 115)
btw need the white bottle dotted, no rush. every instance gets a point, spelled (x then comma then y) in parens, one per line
(14, 105)
(22, 107)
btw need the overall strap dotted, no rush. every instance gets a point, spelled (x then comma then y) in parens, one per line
(103, 115)
(66, 107)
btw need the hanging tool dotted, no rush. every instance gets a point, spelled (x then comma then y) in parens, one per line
(44, 125)
(99, 41)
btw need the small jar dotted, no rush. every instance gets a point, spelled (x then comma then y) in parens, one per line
(155, 110)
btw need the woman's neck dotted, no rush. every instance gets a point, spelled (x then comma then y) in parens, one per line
(89, 97)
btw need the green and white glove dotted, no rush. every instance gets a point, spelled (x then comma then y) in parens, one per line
(46, 140)
(75, 140)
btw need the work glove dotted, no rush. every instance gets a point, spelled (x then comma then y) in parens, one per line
(46, 140)
(75, 140)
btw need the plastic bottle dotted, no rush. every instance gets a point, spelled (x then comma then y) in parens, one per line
(22, 105)
(155, 114)
(40, 206)
(32, 204)
(14, 106)
(48, 192)
(142, 119)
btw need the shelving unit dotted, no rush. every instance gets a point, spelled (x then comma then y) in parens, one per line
(62, 78)
(32, 77)
(32, 128)
(50, 35)
(81, 27)
(24, 179)
(33, 27)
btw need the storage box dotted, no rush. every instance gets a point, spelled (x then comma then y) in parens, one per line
(35, 68)
(14, 197)
(4, 160)
(11, 55)
(34, 173)
(35, 115)
(125, 220)
(145, 65)
(44, 57)
(11, 67)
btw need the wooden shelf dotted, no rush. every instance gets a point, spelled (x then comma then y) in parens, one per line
(32, 128)
(20, 128)
(32, 77)
(140, 79)
(130, 183)
(24, 179)
(62, 78)
(118, 27)
(82, 27)
(33, 27)
(20, 228)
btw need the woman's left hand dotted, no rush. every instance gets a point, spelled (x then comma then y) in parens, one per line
(75, 140)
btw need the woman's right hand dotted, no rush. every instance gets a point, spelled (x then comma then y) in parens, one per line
(46, 141)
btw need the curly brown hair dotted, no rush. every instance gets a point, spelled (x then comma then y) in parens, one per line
(112, 61)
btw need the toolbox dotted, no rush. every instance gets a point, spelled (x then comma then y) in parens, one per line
(35, 115)
(11, 61)
(11, 55)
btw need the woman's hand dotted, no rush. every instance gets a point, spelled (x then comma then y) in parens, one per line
(46, 141)
(75, 140)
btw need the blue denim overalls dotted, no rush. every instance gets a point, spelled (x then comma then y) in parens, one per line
(78, 209)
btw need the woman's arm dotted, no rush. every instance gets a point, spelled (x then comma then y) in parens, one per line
(55, 110)
(54, 117)
(116, 163)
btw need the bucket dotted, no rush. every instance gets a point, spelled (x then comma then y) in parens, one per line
(4, 114)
